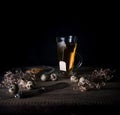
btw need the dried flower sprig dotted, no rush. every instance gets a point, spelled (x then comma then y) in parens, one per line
(95, 80)
(27, 79)
(20, 78)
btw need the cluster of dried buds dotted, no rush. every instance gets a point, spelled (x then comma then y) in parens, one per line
(19, 80)
(95, 80)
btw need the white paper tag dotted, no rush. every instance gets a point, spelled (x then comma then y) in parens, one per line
(62, 66)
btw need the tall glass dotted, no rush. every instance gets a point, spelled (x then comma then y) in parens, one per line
(66, 50)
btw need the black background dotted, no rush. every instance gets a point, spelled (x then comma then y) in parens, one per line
(28, 33)
(29, 38)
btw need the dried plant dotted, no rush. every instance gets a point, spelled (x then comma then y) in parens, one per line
(95, 80)
(18, 77)
(83, 82)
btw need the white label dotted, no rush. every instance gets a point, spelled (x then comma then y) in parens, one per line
(62, 66)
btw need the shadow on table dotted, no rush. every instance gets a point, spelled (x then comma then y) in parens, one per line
(41, 90)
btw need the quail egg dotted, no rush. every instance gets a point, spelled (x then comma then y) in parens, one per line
(13, 89)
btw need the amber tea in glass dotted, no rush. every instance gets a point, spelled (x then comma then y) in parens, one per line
(66, 50)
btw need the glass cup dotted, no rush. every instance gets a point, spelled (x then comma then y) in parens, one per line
(66, 50)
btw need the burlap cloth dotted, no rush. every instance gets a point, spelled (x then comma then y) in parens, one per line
(59, 97)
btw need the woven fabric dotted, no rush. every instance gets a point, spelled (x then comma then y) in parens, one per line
(59, 96)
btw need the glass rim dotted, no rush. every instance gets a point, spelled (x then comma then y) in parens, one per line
(67, 37)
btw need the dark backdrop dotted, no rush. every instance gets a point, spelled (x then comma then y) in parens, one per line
(28, 40)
